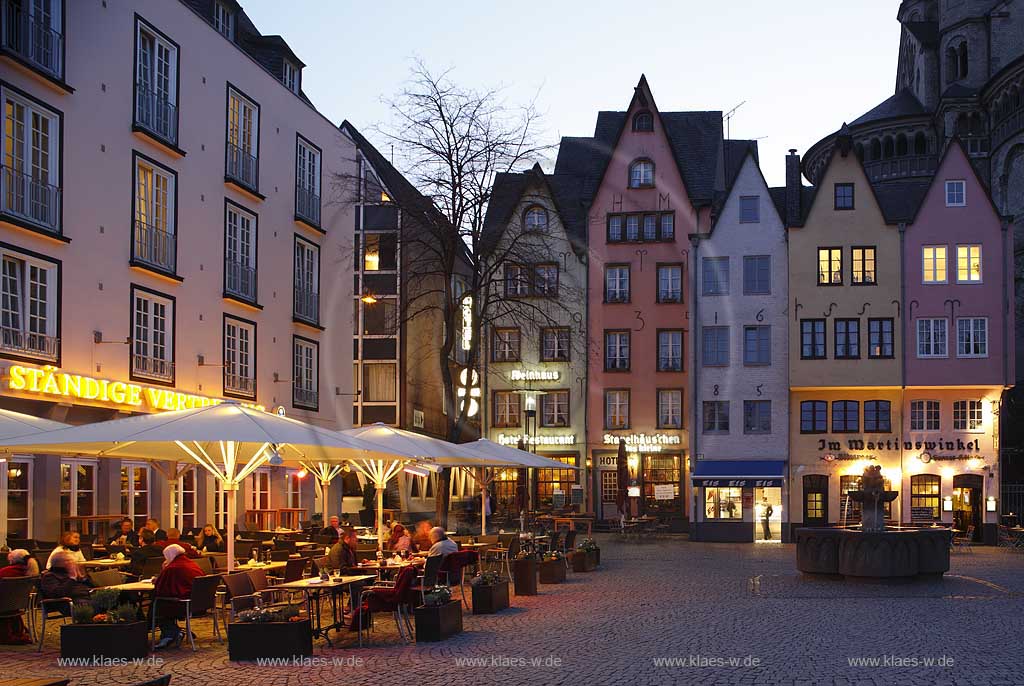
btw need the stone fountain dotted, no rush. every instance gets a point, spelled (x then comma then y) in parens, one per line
(873, 551)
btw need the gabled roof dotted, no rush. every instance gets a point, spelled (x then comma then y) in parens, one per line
(900, 200)
(734, 155)
(903, 104)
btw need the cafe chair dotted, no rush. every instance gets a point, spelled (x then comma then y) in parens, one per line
(506, 551)
(151, 567)
(202, 602)
(286, 545)
(279, 555)
(204, 563)
(453, 566)
(262, 587)
(23, 543)
(106, 577)
(428, 579)
(52, 608)
(240, 594)
(42, 557)
(317, 565)
(16, 594)
(394, 599)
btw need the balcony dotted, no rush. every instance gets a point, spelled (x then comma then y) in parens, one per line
(242, 167)
(155, 368)
(900, 167)
(30, 200)
(242, 385)
(33, 41)
(33, 345)
(307, 205)
(305, 397)
(307, 305)
(240, 280)
(154, 247)
(156, 114)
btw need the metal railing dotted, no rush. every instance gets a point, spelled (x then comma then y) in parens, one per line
(29, 344)
(240, 279)
(236, 383)
(32, 40)
(241, 166)
(305, 396)
(900, 167)
(307, 205)
(156, 114)
(307, 304)
(26, 197)
(152, 367)
(154, 246)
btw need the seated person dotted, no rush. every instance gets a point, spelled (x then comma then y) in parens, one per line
(421, 539)
(442, 545)
(126, 536)
(63, 579)
(209, 540)
(146, 550)
(12, 628)
(154, 526)
(333, 530)
(20, 563)
(400, 539)
(174, 581)
(174, 538)
(70, 542)
(343, 553)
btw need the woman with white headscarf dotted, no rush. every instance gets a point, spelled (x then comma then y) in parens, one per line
(174, 581)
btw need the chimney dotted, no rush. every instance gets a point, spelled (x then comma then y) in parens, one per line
(794, 189)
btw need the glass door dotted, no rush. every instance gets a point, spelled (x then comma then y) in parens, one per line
(768, 514)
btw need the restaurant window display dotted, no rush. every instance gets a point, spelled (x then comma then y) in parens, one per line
(504, 488)
(16, 482)
(768, 514)
(925, 490)
(135, 479)
(723, 503)
(77, 488)
(661, 471)
(551, 480)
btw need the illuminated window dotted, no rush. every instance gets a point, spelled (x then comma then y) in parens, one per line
(863, 266)
(135, 493)
(259, 490)
(239, 357)
(931, 338)
(660, 470)
(850, 508)
(16, 482)
(933, 264)
(924, 492)
(609, 485)
(723, 503)
(967, 415)
(379, 382)
(551, 480)
(670, 409)
(616, 409)
(956, 193)
(830, 266)
(641, 174)
(972, 337)
(243, 140)
(924, 415)
(536, 219)
(77, 488)
(507, 409)
(154, 236)
(968, 264)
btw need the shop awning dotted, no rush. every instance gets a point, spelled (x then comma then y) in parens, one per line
(739, 473)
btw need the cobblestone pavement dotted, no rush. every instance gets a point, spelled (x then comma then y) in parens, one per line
(664, 599)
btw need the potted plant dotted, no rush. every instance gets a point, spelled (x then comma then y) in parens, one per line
(490, 593)
(368, 515)
(586, 557)
(552, 567)
(263, 632)
(524, 573)
(103, 629)
(439, 616)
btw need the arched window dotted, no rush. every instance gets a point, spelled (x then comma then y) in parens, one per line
(888, 149)
(535, 219)
(643, 121)
(920, 144)
(962, 71)
(901, 145)
(876, 150)
(641, 174)
(952, 64)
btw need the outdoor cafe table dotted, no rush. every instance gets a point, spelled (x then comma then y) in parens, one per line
(137, 586)
(388, 566)
(312, 589)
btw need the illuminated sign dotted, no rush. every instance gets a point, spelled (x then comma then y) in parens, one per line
(895, 444)
(513, 439)
(534, 375)
(53, 382)
(469, 391)
(644, 443)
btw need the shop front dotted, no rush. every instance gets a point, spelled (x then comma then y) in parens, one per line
(739, 501)
(656, 467)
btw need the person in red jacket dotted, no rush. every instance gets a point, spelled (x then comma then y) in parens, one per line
(174, 581)
(174, 538)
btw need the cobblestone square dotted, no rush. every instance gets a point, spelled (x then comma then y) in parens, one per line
(663, 612)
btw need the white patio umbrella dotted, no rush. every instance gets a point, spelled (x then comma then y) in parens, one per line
(16, 424)
(502, 456)
(431, 453)
(228, 440)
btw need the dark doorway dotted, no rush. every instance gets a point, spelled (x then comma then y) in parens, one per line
(967, 504)
(816, 500)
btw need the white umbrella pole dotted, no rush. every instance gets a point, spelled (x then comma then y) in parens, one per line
(380, 516)
(324, 487)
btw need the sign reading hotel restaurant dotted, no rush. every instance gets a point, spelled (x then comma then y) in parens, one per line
(534, 375)
(644, 443)
(558, 439)
(893, 444)
(51, 381)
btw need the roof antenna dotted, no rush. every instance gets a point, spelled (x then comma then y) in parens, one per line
(728, 119)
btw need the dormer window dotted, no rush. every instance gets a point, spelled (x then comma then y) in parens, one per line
(643, 122)
(641, 174)
(536, 219)
(224, 19)
(290, 76)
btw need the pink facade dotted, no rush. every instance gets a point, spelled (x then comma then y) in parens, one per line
(957, 225)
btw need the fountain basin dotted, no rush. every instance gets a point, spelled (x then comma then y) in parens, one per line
(890, 554)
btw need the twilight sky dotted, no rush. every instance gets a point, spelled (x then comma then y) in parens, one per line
(801, 66)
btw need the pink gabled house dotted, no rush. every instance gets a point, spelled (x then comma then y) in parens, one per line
(958, 361)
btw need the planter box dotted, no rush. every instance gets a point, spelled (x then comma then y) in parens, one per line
(251, 640)
(584, 561)
(439, 622)
(552, 572)
(490, 599)
(105, 641)
(524, 575)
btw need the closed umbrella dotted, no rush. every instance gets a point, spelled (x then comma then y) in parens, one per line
(228, 440)
(623, 473)
(522, 486)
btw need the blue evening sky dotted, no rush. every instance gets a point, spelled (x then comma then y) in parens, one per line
(801, 66)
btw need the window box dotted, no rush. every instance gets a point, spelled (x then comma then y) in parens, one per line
(436, 623)
(105, 641)
(552, 571)
(257, 640)
(524, 576)
(489, 599)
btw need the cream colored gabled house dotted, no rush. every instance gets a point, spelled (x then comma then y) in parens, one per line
(168, 239)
